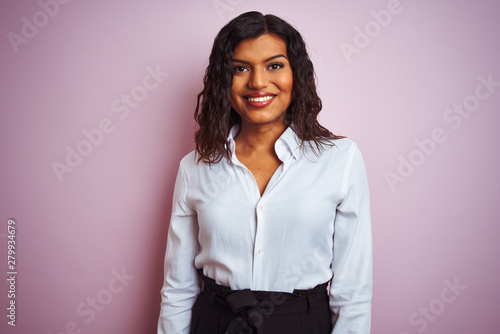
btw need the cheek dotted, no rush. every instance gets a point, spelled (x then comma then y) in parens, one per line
(235, 97)
(288, 87)
(286, 83)
(236, 87)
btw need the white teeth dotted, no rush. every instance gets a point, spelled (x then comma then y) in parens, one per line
(260, 99)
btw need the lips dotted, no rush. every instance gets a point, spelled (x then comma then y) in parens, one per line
(259, 99)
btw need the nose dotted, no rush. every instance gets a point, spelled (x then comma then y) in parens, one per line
(258, 79)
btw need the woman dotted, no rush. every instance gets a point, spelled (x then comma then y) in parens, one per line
(271, 206)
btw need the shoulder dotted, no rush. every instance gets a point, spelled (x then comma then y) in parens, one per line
(336, 150)
(189, 164)
(344, 145)
(189, 159)
(352, 160)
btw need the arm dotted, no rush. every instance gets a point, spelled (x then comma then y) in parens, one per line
(351, 285)
(180, 286)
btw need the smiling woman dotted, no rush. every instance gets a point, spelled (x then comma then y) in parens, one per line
(271, 206)
(262, 78)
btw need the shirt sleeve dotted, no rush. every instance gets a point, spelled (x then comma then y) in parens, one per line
(180, 285)
(352, 282)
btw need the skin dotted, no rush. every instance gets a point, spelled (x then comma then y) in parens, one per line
(261, 65)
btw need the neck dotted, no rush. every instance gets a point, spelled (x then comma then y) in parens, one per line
(258, 137)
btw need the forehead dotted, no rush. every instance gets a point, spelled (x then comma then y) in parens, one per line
(260, 48)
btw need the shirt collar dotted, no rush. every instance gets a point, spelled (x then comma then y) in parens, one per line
(287, 145)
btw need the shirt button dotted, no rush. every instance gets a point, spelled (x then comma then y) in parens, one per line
(259, 207)
(261, 251)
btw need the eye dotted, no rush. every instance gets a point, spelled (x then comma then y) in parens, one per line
(239, 69)
(276, 66)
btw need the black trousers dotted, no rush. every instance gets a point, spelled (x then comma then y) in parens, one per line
(220, 310)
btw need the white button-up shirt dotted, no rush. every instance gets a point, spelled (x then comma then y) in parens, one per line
(310, 226)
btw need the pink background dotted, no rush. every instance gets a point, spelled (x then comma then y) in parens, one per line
(110, 214)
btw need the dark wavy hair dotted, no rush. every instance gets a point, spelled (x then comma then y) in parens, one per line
(214, 113)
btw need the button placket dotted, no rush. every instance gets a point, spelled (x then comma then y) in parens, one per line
(258, 245)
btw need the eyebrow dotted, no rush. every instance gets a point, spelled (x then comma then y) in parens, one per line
(265, 61)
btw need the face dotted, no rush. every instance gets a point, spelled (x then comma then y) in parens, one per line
(262, 80)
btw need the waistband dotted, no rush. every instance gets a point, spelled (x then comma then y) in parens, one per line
(255, 306)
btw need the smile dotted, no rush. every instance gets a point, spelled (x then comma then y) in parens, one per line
(260, 99)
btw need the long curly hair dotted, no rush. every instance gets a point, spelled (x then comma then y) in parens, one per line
(214, 113)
